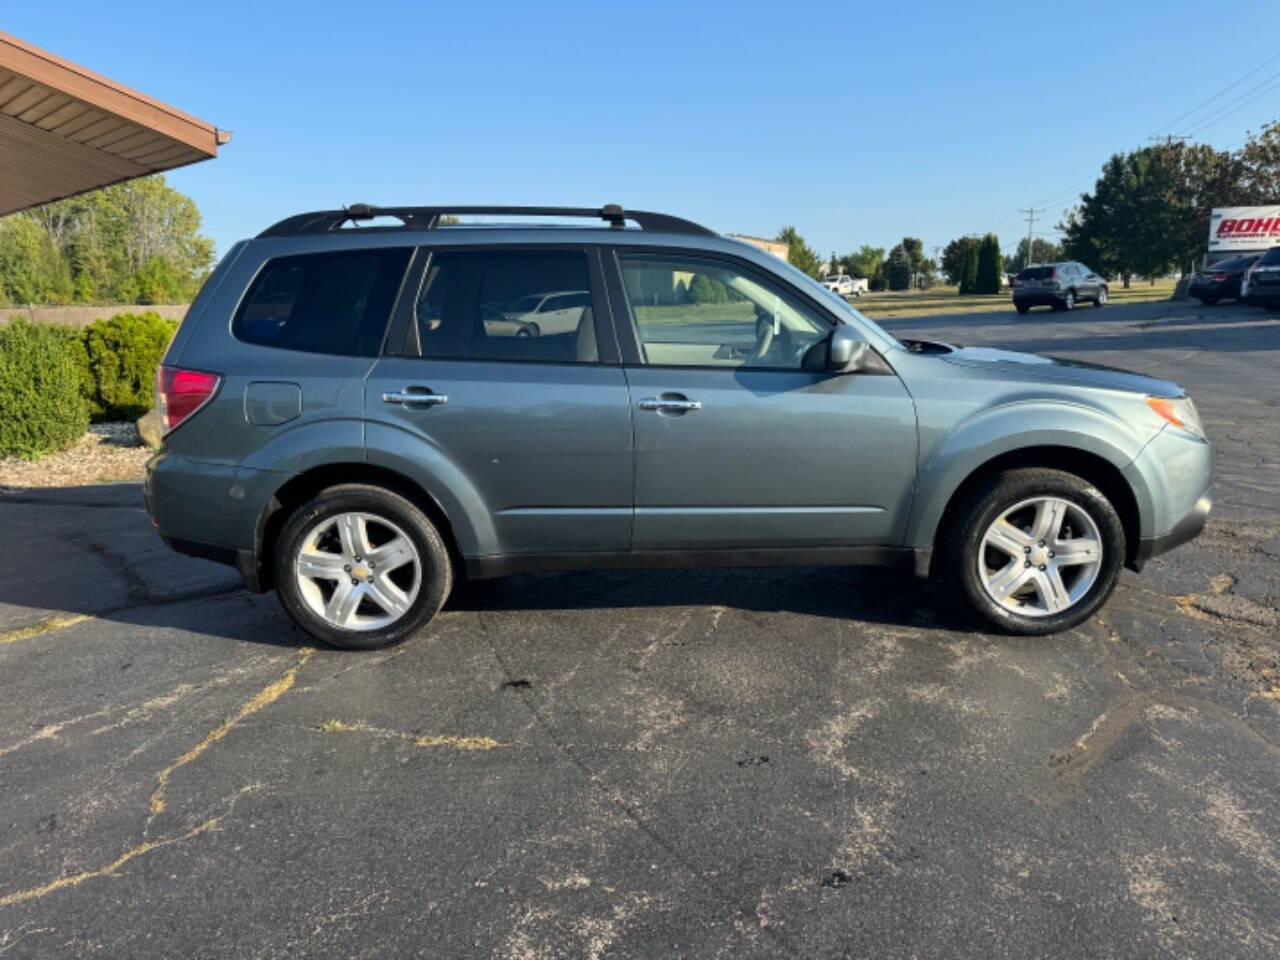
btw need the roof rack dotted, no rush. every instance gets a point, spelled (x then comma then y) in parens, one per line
(428, 218)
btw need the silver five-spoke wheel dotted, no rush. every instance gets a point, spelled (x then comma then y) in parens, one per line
(358, 571)
(1040, 557)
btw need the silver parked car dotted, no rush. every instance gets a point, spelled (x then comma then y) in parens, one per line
(1057, 285)
(348, 422)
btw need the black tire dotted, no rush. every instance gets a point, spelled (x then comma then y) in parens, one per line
(1208, 301)
(1067, 302)
(433, 554)
(980, 508)
(1100, 298)
(1022, 307)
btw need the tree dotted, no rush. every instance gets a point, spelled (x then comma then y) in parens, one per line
(990, 266)
(132, 242)
(1042, 251)
(969, 275)
(868, 263)
(799, 254)
(955, 258)
(898, 269)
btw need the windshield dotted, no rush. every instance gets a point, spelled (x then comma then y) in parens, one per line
(527, 304)
(1230, 264)
(1036, 273)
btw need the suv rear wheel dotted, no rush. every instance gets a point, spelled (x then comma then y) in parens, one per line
(361, 567)
(1068, 301)
(1034, 551)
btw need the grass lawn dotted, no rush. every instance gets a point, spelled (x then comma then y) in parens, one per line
(945, 299)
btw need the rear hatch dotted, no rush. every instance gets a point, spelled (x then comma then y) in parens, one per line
(1036, 277)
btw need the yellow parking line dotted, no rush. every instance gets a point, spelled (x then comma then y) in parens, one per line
(44, 626)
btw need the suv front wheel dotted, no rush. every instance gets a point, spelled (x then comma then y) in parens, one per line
(1034, 551)
(361, 567)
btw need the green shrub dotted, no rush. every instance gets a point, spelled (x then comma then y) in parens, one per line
(117, 358)
(990, 266)
(41, 405)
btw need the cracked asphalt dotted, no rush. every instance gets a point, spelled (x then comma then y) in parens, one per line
(769, 763)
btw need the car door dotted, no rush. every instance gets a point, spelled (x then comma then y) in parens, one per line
(531, 432)
(737, 444)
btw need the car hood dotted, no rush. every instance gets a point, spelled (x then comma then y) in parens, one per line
(1031, 366)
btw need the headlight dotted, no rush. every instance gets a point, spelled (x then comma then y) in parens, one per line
(1179, 411)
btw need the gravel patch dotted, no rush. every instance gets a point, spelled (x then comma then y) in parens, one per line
(108, 453)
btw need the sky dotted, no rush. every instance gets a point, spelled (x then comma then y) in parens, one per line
(857, 123)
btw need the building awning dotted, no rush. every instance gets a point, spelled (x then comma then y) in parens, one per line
(65, 130)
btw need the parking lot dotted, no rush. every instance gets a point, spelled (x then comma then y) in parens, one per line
(734, 763)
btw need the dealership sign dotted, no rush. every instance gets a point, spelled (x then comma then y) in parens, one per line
(1243, 228)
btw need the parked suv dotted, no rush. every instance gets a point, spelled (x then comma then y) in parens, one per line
(1058, 285)
(347, 423)
(1261, 286)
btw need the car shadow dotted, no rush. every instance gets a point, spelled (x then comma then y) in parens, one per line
(858, 594)
(101, 558)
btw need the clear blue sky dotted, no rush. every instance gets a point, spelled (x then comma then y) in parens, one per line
(858, 123)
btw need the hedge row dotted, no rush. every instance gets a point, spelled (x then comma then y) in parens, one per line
(55, 379)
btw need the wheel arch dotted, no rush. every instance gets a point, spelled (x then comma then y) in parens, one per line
(1092, 467)
(301, 487)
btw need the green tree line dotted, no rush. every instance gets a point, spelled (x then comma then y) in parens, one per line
(1148, 213)
(134, 242)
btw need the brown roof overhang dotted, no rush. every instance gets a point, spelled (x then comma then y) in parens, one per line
(65, 130)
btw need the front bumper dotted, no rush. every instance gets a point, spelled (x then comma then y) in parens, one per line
(1172, 476)
(1188, 528)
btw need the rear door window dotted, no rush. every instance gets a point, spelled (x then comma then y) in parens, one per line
(506, 305)
(337, 303)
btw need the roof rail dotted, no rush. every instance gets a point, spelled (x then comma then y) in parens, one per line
(428, 218)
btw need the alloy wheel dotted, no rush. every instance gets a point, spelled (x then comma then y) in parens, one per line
(1040, 557)
(358, 571)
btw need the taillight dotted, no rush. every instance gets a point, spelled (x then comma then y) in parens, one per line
(180, 393)
(1053, 274)
(1217, 277)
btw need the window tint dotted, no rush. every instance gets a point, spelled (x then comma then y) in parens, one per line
(323, 302)
(1270, 258)
(506, 305)
(692, 312)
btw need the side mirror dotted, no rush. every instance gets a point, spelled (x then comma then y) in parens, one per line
(846, 353)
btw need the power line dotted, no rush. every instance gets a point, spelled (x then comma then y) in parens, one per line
(1226, 110)
(1226, 89)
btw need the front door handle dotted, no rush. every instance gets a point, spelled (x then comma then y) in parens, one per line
(669, 403)
(411, 397)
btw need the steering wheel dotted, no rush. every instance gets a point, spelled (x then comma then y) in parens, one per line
(764, 335)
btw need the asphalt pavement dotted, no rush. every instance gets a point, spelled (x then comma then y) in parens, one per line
(722, 763)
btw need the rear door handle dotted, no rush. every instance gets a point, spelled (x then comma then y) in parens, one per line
(664, 403)
(412, 397)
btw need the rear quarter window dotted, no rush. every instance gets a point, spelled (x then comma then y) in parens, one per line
(336, 303)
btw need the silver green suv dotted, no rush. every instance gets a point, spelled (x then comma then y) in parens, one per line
(358, 413)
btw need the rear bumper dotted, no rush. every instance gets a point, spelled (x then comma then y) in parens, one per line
(207, 510)
(1037, 298)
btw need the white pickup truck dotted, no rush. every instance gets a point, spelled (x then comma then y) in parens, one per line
(845, 285)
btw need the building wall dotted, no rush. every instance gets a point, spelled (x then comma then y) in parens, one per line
(83, 316)
(779, 250)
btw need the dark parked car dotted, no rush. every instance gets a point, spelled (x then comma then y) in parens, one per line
(1058, 285)
(1221, 281)
(1262, 281)
(348, 422)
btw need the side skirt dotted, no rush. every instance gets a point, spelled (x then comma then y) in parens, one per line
(483, 568)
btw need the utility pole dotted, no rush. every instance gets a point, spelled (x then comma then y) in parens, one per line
(1031, 222)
